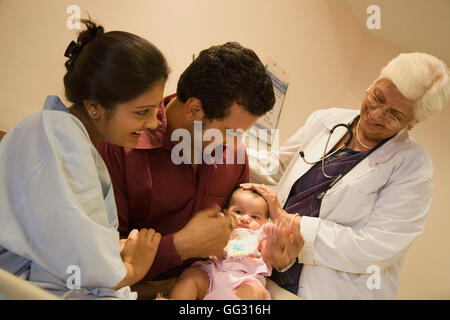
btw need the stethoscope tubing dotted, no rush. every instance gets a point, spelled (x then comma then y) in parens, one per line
(325, 156)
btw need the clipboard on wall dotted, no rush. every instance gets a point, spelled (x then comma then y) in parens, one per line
(270, 120)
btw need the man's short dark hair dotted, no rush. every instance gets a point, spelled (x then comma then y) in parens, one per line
(227, 74)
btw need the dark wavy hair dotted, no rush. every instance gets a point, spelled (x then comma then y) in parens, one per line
(223, 75)
(111, 67)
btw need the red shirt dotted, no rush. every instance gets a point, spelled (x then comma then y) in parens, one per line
(152, 192)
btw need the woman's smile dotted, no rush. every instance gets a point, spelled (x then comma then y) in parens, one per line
(369, 122)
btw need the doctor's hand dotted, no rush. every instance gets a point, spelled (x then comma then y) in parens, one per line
(205, 235)
(270, 195)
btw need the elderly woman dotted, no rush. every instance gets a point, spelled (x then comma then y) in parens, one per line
(357, 198)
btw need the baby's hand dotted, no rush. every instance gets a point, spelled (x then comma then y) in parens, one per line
(279, 248)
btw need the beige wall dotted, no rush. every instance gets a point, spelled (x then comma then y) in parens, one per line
(331, 59)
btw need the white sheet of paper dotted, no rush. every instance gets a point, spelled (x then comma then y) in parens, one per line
(270, 120)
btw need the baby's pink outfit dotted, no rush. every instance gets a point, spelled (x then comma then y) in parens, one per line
(242, 262)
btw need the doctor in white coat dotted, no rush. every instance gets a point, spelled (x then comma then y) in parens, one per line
(353, 230)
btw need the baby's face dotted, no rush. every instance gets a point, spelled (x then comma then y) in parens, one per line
(250, 211)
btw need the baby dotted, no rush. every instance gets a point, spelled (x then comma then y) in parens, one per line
(241, 271)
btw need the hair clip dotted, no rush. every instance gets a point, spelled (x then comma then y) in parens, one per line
(72, 51)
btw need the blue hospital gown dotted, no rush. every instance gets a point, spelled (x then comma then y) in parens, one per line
(57, 207)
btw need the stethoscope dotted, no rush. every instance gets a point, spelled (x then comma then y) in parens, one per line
(346, 143)
(348, 126)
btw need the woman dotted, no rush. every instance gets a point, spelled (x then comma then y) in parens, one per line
(359, 209)
(58, 220)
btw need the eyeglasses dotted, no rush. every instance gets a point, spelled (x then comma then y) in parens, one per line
(374, 103)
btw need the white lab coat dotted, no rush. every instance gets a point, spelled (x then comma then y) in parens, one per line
(367, 221)
(57, 208)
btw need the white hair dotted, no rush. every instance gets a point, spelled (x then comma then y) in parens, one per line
(421, 78)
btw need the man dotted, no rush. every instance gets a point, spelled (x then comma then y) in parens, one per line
(225, 87)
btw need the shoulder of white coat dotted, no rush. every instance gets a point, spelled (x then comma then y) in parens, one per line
(415, 157)
(331, 115)
(65, 132)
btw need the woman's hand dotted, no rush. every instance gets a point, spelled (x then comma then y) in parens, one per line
(275, 210)
(285, 240)
(138, 252)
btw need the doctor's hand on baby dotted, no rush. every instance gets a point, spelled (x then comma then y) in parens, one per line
(275, 210)
(284, 234)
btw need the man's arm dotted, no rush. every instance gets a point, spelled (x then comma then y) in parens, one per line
(166, 258)
(204, 235)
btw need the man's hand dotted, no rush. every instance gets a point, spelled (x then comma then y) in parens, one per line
(205, 235)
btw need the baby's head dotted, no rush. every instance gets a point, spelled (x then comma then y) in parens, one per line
(249, 209)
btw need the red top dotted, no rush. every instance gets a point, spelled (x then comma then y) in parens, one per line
(177, 194)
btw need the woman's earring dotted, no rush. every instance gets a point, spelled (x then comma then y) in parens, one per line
(94, 114)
